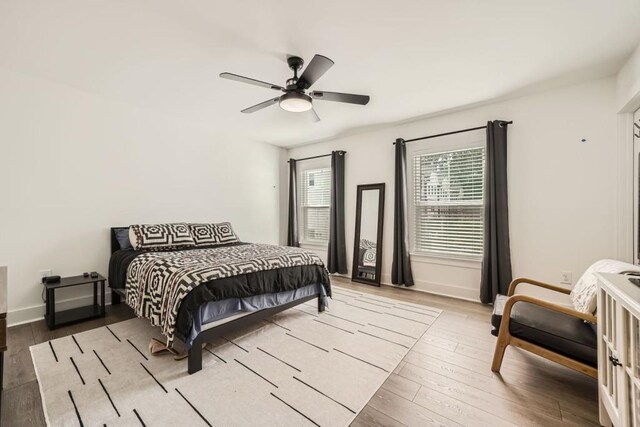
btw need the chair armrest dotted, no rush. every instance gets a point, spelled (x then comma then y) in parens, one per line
(516, 282)
(506, 314)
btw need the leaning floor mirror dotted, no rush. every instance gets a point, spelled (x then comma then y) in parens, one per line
(367, 248)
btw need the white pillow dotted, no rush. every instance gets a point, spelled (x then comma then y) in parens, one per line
(584, 294)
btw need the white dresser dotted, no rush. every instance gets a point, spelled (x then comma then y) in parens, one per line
(618, 350)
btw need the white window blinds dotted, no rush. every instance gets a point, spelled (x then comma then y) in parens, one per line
(449, 202)
(315, 201)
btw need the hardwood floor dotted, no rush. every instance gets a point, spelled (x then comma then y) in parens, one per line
(444, 380)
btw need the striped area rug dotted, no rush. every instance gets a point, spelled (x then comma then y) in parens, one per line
(297, 368)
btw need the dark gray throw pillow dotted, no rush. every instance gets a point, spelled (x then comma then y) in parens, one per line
(122, 236)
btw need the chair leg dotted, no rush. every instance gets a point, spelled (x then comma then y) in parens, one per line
(498, 353)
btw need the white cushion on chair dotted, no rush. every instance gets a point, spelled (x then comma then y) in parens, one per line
(584, 293)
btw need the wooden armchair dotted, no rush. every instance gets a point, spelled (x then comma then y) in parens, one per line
(553, 331)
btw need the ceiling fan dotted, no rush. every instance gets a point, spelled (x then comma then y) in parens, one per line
(294, 98)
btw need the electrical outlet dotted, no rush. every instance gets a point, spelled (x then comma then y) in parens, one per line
(45, 273)
(566, 277)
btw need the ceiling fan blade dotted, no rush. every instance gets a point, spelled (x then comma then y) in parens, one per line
(314, 115)
(349, 98)
(316, 68)
(260, 106)
(250, 81)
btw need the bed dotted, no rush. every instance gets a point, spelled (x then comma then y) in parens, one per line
(198, 293)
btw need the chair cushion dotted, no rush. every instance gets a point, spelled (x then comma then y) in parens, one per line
(554, 331)
(496, 316)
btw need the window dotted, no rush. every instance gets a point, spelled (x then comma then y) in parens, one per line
(449, 202)
(315, 195)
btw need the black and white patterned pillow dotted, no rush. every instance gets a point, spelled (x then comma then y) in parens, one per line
(369, 258)
(160, 236)
(213, 234)
(367, 244)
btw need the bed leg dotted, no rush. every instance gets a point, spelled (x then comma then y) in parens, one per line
(115, 298)
(320, 304)
(195, 356)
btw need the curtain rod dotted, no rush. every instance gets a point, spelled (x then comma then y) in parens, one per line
(454, 132)
(317, 157)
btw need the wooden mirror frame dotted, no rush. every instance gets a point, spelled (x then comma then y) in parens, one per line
(356, 241)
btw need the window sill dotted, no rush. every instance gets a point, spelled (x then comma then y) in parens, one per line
(448, 260)
(314, 245)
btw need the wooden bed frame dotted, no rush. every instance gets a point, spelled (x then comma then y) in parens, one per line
(195, 352)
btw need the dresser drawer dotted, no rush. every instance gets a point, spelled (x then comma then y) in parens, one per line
(3, 334)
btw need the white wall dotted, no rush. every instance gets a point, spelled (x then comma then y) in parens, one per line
(628, 82)
(628, 101)
(73, 164)
(562, 192)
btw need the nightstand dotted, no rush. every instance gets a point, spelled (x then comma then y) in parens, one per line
(92, 311)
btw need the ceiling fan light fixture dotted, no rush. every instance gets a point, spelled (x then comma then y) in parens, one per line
(295, 102)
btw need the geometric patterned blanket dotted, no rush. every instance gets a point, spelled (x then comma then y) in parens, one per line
(158, 281)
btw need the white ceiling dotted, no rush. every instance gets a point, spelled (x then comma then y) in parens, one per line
(413, 57)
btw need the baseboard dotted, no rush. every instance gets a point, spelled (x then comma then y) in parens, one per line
(441, 289)
(447, 294)
(36, 312)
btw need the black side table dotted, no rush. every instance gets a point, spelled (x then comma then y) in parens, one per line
(54, 319)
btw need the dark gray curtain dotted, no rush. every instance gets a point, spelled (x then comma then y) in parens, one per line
(401, 267)
(292, 226)
(496, 262)
(337, 255)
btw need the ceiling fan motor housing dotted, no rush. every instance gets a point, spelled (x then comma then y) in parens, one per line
(292, 83)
